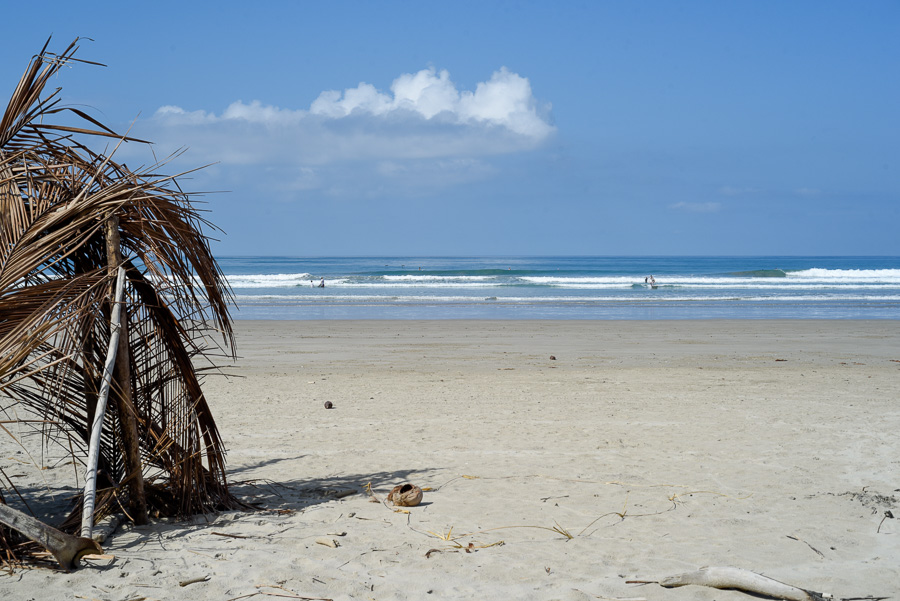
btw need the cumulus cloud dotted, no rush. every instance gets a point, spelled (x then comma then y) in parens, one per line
(422, 116)
(505, 101)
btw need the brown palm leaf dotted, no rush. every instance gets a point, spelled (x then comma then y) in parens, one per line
(57, 201)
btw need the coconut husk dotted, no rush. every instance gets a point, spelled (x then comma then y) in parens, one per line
(405, 495)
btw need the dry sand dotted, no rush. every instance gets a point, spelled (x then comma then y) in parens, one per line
(643, 450)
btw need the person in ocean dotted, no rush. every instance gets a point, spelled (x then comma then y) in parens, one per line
(652, 280)
(322, 283)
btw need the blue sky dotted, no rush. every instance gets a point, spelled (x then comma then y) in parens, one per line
(503, 128)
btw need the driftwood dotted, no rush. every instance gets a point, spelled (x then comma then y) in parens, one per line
(738, 579)
(67, 549)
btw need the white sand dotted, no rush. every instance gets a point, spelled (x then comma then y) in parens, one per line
(659, 447)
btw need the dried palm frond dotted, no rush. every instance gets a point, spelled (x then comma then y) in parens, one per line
(58, 200)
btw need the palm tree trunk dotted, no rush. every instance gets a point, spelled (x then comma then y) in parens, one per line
(122, 379)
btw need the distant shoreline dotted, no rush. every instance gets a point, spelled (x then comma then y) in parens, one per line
(658, 320)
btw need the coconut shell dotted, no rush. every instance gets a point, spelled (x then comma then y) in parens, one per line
(405, 495)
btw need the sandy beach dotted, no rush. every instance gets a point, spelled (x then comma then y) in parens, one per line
(560, 460)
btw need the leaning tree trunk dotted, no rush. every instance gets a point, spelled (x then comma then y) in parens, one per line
(121, 388)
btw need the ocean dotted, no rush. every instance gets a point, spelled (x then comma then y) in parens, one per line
(564, 287)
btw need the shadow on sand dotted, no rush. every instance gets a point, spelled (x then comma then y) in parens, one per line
(301, 493)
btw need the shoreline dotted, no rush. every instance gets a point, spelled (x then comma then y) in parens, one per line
(641, 450)
(500, 311)
(848, 336)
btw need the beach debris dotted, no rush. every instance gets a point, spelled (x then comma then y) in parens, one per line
(887, 514)
(327, 492)
(553, 357)
(329, 405)
(190, 581)
(230, 535)
(738, 579)
(447, 536)
(819, 553)
(405, 495)
(287, 593)
(328, 542)
(470, 548)
(67, 549)
(105, 528)
(373, 498)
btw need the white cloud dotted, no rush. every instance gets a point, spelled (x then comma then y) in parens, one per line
(179, 115)
(425, 93)
(422, 116)
(504, 101)
(697, 207)
(422, 134)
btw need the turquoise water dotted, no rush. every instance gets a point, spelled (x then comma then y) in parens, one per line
(564, 287)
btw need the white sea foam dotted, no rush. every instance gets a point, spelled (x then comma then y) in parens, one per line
(412, 285)
(273, 280)
(818, 278)
(855, 275)
(438, 278)
(809, 280)
(291, 280)
(561, 281)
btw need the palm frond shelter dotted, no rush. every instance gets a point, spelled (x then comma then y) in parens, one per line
(70, 217)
